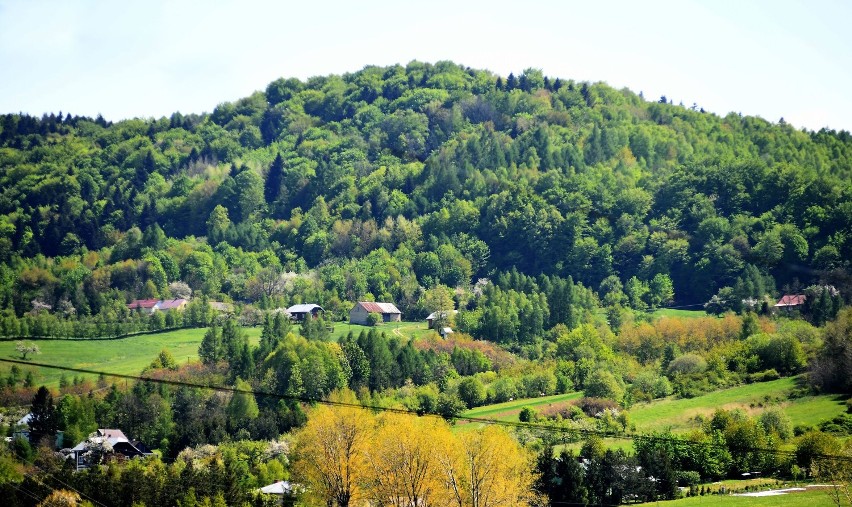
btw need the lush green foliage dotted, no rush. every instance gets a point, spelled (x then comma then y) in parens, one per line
(388, 179)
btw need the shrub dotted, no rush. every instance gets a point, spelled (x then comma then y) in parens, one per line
(594, 406)
(565, 411)
(688, 478)
(374, 319)
(688, 364)
(763, 376)
(527, 415)
(472, 392)
(603, 384)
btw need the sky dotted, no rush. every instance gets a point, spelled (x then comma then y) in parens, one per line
(128, 59)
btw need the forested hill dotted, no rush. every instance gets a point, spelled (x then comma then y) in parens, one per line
(392, 178)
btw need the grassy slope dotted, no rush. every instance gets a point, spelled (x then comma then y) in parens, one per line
(810, 498)
(509, 410)
(125, 356)
(671, 312)
(408, 330)
(679, 414)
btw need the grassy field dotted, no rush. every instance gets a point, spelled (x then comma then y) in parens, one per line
(509, 410)
(679, 414)
(810, 498)
(408, 330)
(125, 356)
(671, 312)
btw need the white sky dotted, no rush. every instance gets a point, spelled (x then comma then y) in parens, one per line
(151, 58)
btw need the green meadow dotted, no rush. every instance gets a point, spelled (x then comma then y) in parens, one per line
(673, 312)
(126, 356)
(682, 414)
(811, 498)
(408, 330)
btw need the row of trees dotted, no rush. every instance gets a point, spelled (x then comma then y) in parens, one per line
(345, 455)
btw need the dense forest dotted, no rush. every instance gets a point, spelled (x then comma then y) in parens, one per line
(377, 183)
(552, 214)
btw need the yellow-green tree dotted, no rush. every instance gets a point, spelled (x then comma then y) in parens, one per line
(489, 469)
(403, 468)
(331, 452)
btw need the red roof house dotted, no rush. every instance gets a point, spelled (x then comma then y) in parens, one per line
(362, 309)
(791, 301)
(144, 305)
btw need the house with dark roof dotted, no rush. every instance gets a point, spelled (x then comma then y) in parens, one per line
(362, 310)
(300, 312)
(111, 440)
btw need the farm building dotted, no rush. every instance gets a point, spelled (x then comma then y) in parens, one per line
(149, 306)
(791, 301)
(116, 441)
(146, 306)
(172, 304)
(388, 311)
(300, 312)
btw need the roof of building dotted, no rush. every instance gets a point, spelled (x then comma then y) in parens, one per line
(278, 488)
(143, 303)
(171, 304)
(791, 300)
(447, 330)
(112, 433)
(433, 315)
(373, 307)
(103, 435)
(304, 308)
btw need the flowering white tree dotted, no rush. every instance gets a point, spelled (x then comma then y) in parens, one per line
(25, 348)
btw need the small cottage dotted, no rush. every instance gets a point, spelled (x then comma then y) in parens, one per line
(791, 302)
(146, 306)
(360, 313)
(303, 311)
(112, 439)
(172, 304)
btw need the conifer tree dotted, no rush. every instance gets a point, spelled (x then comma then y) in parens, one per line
(44, 420)
(274, 180)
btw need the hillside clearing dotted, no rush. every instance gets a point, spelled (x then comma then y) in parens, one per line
(679, 414)
(126, 356)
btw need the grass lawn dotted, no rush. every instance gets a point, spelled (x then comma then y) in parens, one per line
(125, 356)
(672, 312)
(509, 410)
(810, 498)
(405, 329)
(679, 414)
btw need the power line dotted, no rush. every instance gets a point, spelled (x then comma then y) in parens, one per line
(470, 419)
(60, 481)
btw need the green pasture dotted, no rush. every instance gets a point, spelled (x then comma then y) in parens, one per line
(673, 312)
(127, 356)
(679, 414)
(813, 497)
(509, 410)
(407, 330)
